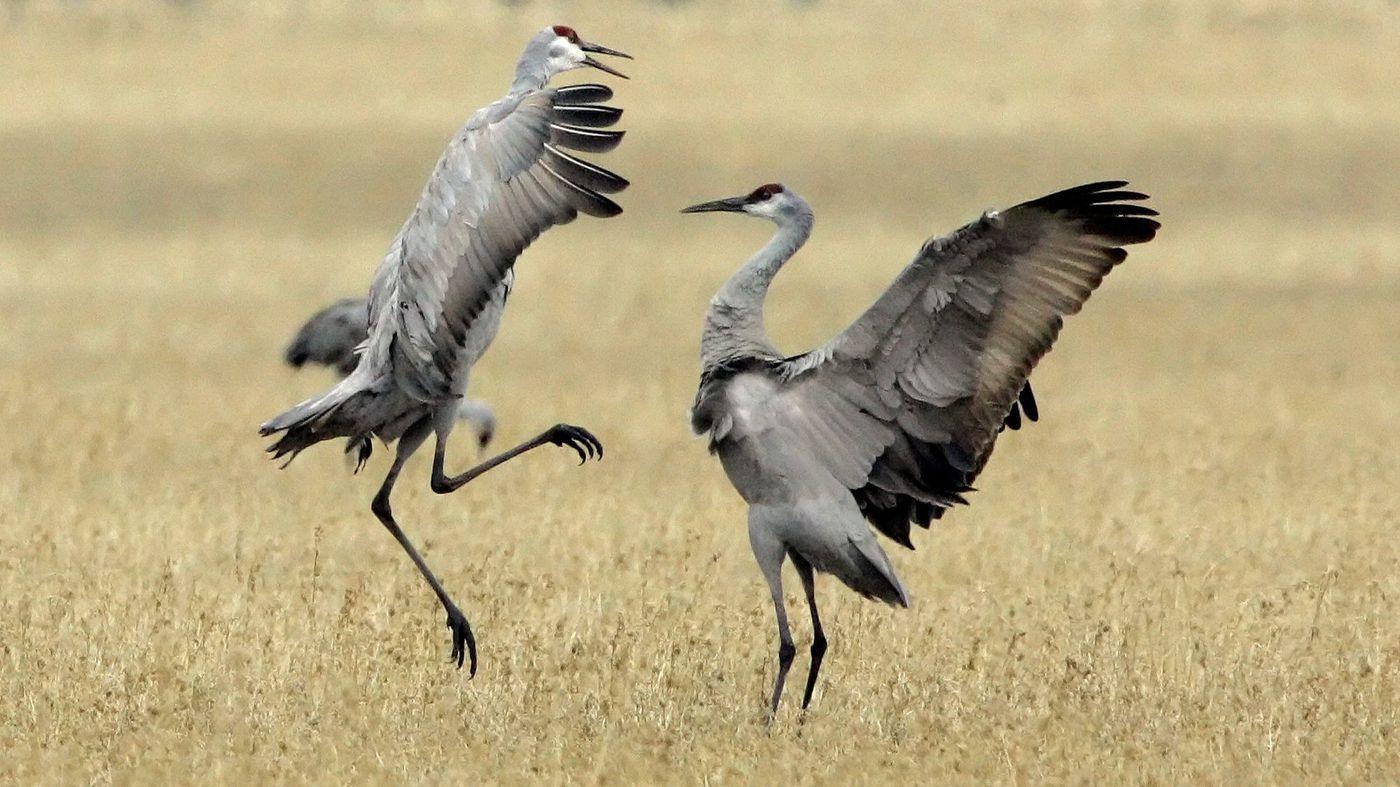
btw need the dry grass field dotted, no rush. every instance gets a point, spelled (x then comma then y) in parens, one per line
(1188, 571)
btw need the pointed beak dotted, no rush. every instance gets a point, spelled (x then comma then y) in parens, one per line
(602, 50)
(730, 205)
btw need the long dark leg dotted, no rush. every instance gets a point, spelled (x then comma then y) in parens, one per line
(770, 556)
(575, 437)
(804, 570)
(786, 650)
(463, 643)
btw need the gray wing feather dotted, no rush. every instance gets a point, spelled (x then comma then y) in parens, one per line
(943, 356)
(497, 187)
(816, 418)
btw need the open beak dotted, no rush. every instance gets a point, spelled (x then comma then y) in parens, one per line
(602, 50)
(730, 205)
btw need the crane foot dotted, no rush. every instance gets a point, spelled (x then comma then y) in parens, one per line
(463, 643)
(577, 438)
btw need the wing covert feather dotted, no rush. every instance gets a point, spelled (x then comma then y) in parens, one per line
(499, 184)
(943, 356)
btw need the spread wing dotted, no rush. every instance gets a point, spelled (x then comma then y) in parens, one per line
(505, 178)
(330, 337)
(942, 357)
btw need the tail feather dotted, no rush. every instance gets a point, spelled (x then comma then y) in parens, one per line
(358, 451)
(310, 422)
(876, 579)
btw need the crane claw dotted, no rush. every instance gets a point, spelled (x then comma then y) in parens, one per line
(577, 438)
(463, 643)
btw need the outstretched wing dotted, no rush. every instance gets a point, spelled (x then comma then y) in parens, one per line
(505, 178)
(942, 357)
(330, 337)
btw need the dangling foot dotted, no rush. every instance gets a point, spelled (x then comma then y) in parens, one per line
(577, 438)
(463, 643)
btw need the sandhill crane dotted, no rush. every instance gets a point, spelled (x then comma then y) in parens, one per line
(503, 179)
(892, 419)
(332, 337)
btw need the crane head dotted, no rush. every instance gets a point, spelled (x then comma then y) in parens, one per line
(769, 201)
(565, 51)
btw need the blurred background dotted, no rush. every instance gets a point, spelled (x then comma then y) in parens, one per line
(181, 183)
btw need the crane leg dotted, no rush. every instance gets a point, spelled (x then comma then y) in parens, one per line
(575, 437)
(804, 570)
(770, 557)
(463, 643)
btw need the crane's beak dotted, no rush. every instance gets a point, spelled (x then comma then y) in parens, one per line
(730, 205)
(602, 50)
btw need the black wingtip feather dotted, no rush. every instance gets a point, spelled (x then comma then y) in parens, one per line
(1099, 193)
(577, 113)
(1077, 195)
(1028, 405)
(1123, 229)
(1013, 418)
(587, 93)
(589, 115)
(1106, 210)
(1134, 210)
(584, 199)
(1103, 197)
(583, 173)
(588, 140)
(603, 208)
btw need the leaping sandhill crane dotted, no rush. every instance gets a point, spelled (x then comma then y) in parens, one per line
(435, 301)
(892, 419)
(332, 337)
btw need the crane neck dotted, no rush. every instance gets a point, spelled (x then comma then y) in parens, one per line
(734, 323)
(529, 77)
(534, 70)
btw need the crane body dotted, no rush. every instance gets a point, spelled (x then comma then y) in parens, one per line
(888, 424)
(334, 336)
(505, 178)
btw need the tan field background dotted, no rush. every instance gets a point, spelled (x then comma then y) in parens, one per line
(1188, 571)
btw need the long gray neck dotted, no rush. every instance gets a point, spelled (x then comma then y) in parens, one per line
(734, 323)
(529, 76)
(532, 70)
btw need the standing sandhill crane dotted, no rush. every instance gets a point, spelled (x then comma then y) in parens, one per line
(504, 179)
(892, 419)
(333, 336)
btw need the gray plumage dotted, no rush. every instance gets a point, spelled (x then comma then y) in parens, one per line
(890, 421)
(435, 301)
(333, 337)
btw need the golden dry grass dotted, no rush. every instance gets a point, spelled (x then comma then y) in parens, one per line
(1186, 572)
